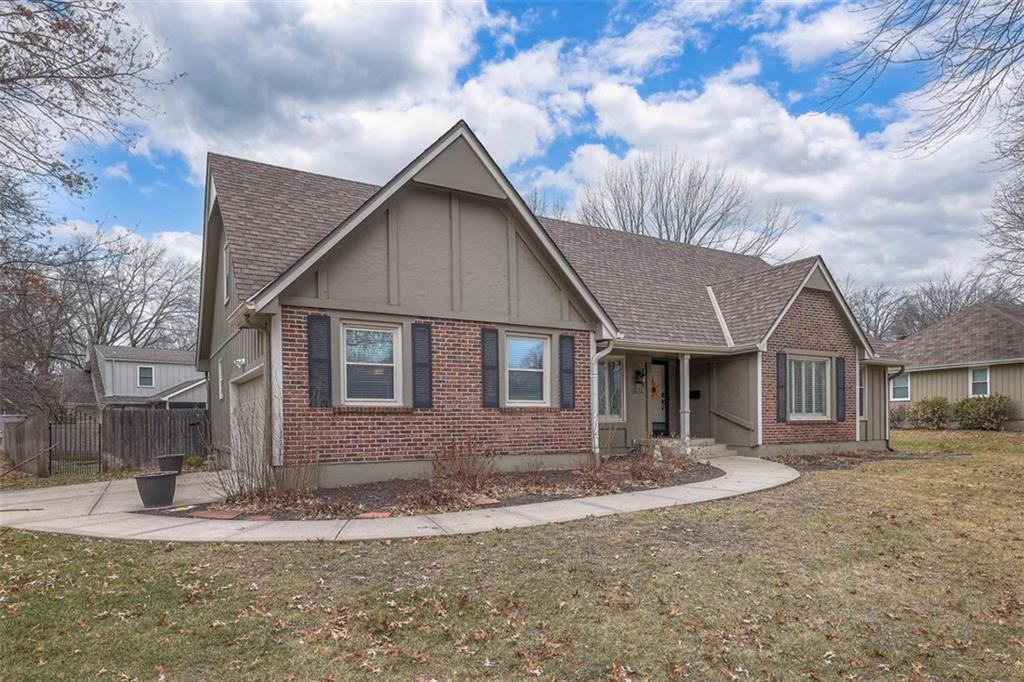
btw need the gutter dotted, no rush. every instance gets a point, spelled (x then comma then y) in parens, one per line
(594, 420)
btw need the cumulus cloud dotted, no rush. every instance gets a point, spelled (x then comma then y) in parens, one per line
(181, 244)
(118, 170)
(805, 41)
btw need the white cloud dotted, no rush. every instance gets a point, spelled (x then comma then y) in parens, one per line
(868, 206)
(118, 170)
(177, 244)
(806, 41)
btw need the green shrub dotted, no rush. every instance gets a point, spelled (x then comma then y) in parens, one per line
(987, 413)
(897, 416)
(930, 413)
(192, 462)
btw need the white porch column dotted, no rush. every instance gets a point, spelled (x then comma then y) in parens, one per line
(684, 399)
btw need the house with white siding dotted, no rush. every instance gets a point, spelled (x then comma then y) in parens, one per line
(150, 378)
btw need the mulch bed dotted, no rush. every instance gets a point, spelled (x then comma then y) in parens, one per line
(847, 460)
(411, 497)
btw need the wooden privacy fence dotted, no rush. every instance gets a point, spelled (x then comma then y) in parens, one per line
(132, 439)
(27, 443)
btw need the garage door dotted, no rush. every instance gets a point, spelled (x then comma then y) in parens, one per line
(248, 434)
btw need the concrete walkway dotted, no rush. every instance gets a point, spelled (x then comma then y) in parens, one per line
(106, 510)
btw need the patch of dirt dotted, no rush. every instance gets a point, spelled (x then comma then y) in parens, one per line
(847, 460)
(422, 496)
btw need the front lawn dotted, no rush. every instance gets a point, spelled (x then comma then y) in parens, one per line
(896, 569)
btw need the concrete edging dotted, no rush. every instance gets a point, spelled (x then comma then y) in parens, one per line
(107, 510)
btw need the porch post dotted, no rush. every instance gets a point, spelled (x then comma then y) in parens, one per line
(684, 399)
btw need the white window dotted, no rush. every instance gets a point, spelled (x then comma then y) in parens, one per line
(809, 381)
(225, 271)
(861, 390)
(899, 388)
(145, 377)
(371, 358)
(220, 379)
(610, 389)
(526, 365)
(979, 382)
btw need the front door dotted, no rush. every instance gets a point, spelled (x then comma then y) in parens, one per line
(657, 397)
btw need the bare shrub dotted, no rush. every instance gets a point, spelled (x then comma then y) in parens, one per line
(657, 461)
(465, 465)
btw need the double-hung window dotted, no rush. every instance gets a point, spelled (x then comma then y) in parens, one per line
(527, 359)
(809, 383)
(979, 382)
(145, 377)
(372, 363)
(899, 388)
(609, 389)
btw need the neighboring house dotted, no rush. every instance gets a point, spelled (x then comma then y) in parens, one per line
(127, 377)
(977, 352)
(363, 328)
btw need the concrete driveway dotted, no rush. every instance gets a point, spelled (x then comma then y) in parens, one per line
(109, 510)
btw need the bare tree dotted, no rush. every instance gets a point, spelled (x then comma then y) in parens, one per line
(136, 295)
(670, 196)
(1004, 233)
(971, 53)
(877, 307)
(888, 312)
(544, 204)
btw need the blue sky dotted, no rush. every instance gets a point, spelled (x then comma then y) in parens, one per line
(557, 92)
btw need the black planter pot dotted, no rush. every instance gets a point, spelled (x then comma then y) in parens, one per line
(170, 462)
(156, 488)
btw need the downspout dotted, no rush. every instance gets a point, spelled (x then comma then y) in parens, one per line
(888, 392)
(594, 420)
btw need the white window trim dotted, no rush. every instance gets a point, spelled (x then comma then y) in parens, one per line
(545, 371)
(396, 364)
(970, 382)
(618, 418)
(862, 392)
(828, 389)
(224, 274)
(220, 378)
(893, 399)
(138, 376)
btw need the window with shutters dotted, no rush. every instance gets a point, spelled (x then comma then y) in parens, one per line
(810, 382)
(371, 363)
(527, 359)
(610, 389)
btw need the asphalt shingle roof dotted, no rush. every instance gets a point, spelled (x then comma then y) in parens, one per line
(177, 357)
(980, 333)
(654, 290)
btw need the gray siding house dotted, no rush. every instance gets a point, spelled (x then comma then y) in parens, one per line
(145, 378)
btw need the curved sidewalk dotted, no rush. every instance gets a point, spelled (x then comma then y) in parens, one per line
(106, 510)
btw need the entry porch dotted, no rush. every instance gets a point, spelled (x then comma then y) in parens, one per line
(641, 394)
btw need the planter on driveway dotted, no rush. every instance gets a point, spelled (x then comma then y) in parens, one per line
(157, 488)
(171, 462)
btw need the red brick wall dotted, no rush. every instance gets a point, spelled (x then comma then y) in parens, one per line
(813, 323)
(373, 434)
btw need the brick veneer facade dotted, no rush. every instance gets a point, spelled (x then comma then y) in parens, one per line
(380, 434)
(813, 323)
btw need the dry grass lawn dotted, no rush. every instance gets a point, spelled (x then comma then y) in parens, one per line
(891, 570)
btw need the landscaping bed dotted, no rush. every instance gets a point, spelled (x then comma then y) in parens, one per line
(431, 496)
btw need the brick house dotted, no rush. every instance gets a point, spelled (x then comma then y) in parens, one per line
(364, 328)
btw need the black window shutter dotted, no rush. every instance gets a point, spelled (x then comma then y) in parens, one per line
(781, 372)
(489, 367)
(318, 335)
(567, 371)
(840, 389)
(422, 366)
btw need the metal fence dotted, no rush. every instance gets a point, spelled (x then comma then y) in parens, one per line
(74, 442)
